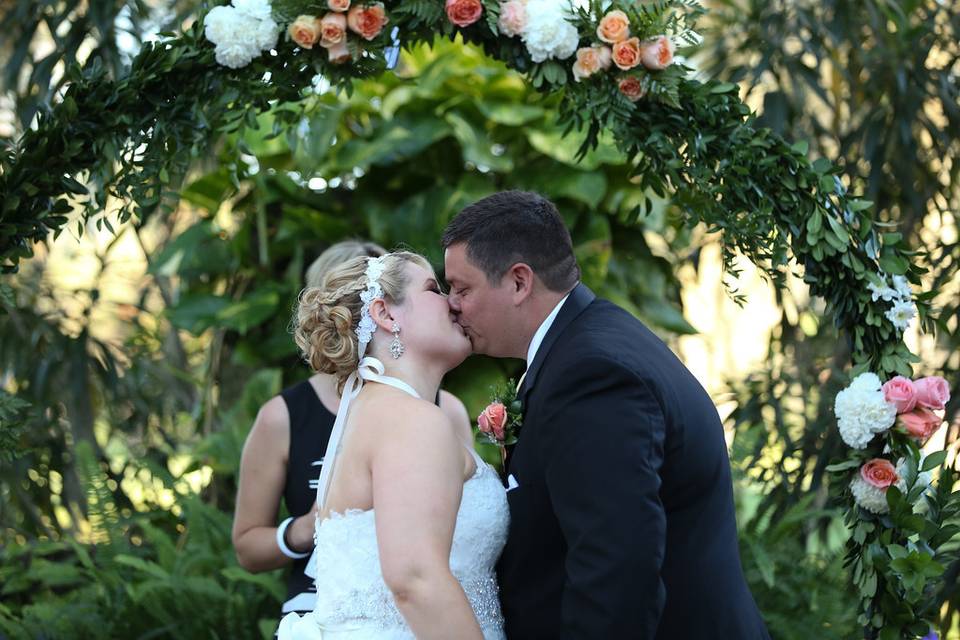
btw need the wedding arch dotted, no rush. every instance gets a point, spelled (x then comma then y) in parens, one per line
(615, 67)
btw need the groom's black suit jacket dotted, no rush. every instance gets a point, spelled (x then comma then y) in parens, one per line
(622, 519)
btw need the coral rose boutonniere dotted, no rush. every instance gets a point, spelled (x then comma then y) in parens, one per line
(499, 423)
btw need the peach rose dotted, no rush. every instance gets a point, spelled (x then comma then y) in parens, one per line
(901, 392)
(657, 53)
(614, 27)
(932, 392)
(333, 29)
(513, 18)
(367, 21)
(464, 13)
(590, 60)
(305, 31)
(879, 473)
(493, 420)
(626, 54)
(632, 88)
(920, 423)
(338, 5)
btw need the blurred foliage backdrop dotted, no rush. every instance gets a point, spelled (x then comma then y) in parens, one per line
(132, 364)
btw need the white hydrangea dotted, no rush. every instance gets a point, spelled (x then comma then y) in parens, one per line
(258, 9)
(868, 496)
(862, 411)
(240, 32)
(874, 499)
(548, 33)
(867, 381)
(901, 314)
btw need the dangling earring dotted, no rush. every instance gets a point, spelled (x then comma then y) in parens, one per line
(396, 347)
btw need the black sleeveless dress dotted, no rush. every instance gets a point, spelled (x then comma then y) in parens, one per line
(310, 427)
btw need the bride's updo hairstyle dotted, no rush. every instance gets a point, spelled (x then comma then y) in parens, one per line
(327, 315)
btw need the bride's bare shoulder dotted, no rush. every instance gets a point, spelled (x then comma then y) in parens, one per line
(387, 415)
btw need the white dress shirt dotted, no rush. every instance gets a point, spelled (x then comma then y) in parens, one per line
(542, 331)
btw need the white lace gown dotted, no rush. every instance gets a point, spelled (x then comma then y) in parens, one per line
(353, 601)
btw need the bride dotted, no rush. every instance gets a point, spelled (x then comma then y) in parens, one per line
(411, 521)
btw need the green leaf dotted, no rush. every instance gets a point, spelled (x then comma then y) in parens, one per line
(933, 460)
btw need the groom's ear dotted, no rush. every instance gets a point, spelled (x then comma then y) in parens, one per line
(520, 279)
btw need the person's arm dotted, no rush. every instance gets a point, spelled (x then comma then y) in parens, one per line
(417, 484)
(263, 470)
(601, 441)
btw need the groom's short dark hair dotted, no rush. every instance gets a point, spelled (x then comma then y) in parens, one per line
(516, 226)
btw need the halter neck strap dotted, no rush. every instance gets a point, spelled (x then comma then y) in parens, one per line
(369, 369)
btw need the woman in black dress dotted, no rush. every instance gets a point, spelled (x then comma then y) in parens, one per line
(282, 459)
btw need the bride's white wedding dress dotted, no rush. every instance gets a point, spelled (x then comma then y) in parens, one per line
(354, 603)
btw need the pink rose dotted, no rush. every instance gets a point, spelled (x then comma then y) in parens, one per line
(513, 18)
(305, 31)
(339, 53)
(333, 29)
(626, 54)
(464, 13)
(920, 423)
(901, 392)
(614, 27)
(657, 53)
(338, 5)
(631, 87)
(590, 60)
(367, 21)
(879, 472)
(932, 392)
(493, 420)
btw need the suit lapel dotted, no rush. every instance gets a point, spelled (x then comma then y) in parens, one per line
(578, 300)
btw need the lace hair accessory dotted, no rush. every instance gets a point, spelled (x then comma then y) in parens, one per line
(367, 327)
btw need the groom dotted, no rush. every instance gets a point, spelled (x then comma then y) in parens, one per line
(621, 505)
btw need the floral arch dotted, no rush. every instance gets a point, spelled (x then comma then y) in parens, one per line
(615, 66)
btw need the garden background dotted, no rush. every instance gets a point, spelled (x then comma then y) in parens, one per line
(133, 359)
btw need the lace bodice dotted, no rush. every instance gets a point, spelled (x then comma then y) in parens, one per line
(353, 600)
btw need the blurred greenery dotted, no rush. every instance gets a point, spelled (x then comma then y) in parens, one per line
(124, 408)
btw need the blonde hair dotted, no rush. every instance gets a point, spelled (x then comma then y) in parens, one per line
(327, 315)
(337, 254)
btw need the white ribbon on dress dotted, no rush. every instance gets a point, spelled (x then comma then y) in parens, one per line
(372, 369)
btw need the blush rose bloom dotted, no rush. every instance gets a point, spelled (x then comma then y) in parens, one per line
(338, 5)
(932, 392)
(626, 54)
(632, 88)
(339, 53)
(590, 60)
(901, 392)
(657, 53)
(920, 423)
(333, 29)
(879, 473)
(513, 18)
(367, 21)
(493, 420)
(614, 27)
(464, 13)
(305, 31)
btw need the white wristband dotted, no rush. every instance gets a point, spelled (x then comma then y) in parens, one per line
(284, 549)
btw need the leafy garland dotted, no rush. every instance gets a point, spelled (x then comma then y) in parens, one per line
(127, 144)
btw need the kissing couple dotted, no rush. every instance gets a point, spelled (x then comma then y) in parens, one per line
(618, 517)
